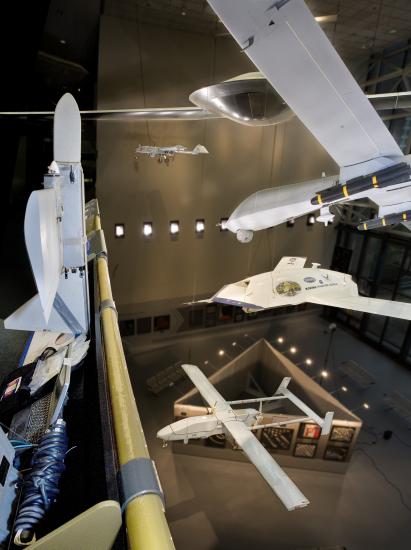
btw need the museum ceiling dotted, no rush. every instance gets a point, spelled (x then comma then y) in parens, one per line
(355, 27)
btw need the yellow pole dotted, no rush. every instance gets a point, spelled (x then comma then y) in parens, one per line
(147, 528)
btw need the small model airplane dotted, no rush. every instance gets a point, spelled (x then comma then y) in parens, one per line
(240, 423)
(164, 154)
(291, 284)
(290, 49)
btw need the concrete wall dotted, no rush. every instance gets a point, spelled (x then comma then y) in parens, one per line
(156, 67)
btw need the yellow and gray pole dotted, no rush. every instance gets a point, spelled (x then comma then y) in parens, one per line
(147, 528)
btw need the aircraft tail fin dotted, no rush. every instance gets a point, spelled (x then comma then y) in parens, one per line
(30, 317)
(199, 150)
(327, 423)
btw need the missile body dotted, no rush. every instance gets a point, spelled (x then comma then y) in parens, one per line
(393, 175)
(390, 219)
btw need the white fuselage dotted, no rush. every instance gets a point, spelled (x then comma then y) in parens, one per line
(271, 207)
(200, 427)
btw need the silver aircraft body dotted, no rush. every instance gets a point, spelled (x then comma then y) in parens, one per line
(290, 49)
(164, 154)
(290, 283)
(239, 424)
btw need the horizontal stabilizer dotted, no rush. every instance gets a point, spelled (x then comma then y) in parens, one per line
(400, 310)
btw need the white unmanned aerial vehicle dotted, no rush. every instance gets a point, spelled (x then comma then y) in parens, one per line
(239, 424)
(289, 48)
(291, 284)
(167, 153)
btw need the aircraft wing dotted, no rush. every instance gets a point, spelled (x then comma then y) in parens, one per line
(206, 389)
(400, 310)
(290, 262)
(288, 46)
(277, 479)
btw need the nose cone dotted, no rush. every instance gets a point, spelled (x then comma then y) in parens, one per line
(165, 433)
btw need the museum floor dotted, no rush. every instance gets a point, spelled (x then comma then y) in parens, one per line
(217, 504)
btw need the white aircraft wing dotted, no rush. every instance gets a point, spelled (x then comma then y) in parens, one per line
(400, 310)
(288, 46)
(290, 262)
(277, 479)
(206, 389)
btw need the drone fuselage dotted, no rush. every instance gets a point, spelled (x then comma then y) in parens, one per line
(200, 427)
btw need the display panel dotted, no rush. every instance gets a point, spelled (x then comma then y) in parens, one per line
(276, 439)
(341, 433)
(305, 450)
(334, 452)
(309, 431)
(162, 322)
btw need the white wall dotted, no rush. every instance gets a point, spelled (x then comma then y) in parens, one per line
(162, 73)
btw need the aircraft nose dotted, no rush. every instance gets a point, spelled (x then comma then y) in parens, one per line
(165, 433)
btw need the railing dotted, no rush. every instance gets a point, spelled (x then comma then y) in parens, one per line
(146, 525)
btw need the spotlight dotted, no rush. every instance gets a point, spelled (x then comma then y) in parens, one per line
(220, 352)
(174, 227)
(366, 406)
(147, 229)
(308, 361)
(200, 226)
(62, 41)
(223, 224)
(206, 362)
(291, 223)
(310, 219)
(280, 340)
(119, 230)
(344, 388)
(293, 350)
(324, 374)
(234, 344)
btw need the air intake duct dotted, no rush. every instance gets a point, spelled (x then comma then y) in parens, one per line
(390, 219)
(393, 175)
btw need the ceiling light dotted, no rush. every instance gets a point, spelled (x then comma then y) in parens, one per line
(147, 229)
(344, 388)
(280, 339)
(327, 18)
(200, 226)
(308, 361)
(366, 406)
(310, 219)
(223, 224)
(62, 41)
(221, 352)
(392, 31)
(119, 230)
(293, 349)
(174, 227)
(183, 13)
(234, 344)
(324, 374)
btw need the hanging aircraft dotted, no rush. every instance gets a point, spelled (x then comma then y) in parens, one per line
(239, 424)
(164, 154)
(288, 46)
(291, 284)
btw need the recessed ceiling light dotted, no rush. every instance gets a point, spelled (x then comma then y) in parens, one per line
(183, 13)
(147, 229)
(200, 226)
(119, 230)
(62, 41)
(174, 227)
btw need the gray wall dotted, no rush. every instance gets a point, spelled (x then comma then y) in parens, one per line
(156, 67)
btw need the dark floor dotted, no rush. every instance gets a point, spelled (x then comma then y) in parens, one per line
(216, 504)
